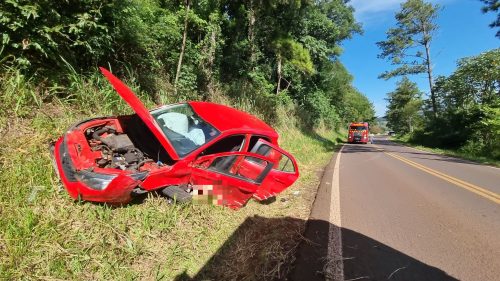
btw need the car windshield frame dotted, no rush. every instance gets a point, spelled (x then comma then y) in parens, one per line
(184, 128)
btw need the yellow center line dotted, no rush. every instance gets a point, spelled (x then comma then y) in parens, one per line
(469, 186)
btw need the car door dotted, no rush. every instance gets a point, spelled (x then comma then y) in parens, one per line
(223, 178)
(283, 173)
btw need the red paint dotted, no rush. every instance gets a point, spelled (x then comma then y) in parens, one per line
(226, 118)
(118, 191)
(244, 179)
(359, 132)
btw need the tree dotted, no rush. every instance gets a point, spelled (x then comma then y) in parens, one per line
(359, 107)
(470, 98)
(209, 48)
(292, 45)
(36, 34)
(403, 110)
(183, 45)
(408, 44)
(492, 6)
(247, 50)
(293, 53)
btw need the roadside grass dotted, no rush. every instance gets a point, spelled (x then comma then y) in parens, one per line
(450, 152)
(44, 234)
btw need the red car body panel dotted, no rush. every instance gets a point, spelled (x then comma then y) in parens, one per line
(235, 192)
(231, 119)
(117, 192)
(250, 174)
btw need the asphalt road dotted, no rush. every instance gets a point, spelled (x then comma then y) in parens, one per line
(412, 215)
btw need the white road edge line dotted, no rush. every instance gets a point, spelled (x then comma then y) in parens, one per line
(335, 256)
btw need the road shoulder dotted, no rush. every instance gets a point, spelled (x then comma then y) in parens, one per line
(319, 254)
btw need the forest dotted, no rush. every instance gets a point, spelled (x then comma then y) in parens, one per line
(262, 56)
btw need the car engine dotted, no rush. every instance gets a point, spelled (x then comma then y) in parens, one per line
(117, 149)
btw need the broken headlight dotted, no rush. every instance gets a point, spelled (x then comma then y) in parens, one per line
(94, 180)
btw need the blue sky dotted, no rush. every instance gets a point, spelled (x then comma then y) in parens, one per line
(463, 32)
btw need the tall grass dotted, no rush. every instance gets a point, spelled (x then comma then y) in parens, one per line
(17, 92)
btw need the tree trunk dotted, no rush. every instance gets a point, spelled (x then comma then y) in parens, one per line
(208, 63)
(279, 75)
(251, 33)
(213, 46)
(429, 72)
(288, 83)
(183, 46)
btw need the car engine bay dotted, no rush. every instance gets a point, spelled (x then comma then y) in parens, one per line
(117, 150)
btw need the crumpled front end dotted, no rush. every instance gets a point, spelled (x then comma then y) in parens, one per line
(91, 186)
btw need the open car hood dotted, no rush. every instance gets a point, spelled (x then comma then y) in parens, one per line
(141, 111)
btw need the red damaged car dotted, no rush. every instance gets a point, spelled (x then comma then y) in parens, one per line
(185, 150)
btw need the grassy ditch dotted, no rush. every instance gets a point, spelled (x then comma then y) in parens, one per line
(44, 234)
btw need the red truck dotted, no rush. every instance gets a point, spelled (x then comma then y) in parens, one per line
(359, 133)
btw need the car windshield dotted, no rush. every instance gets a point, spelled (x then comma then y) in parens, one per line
(185, 130)
(358, 128)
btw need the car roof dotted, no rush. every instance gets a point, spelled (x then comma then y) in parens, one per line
(226, 118)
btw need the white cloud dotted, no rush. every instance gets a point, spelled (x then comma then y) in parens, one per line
(368, 10)
(374, 6)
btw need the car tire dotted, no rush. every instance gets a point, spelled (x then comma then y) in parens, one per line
(177, 194)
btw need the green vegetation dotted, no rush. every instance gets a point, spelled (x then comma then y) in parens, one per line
(404, 106)
(275, 59)
(270, 52)
(405, 139)
(463, 112)
(493, 6)
(469, 103)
